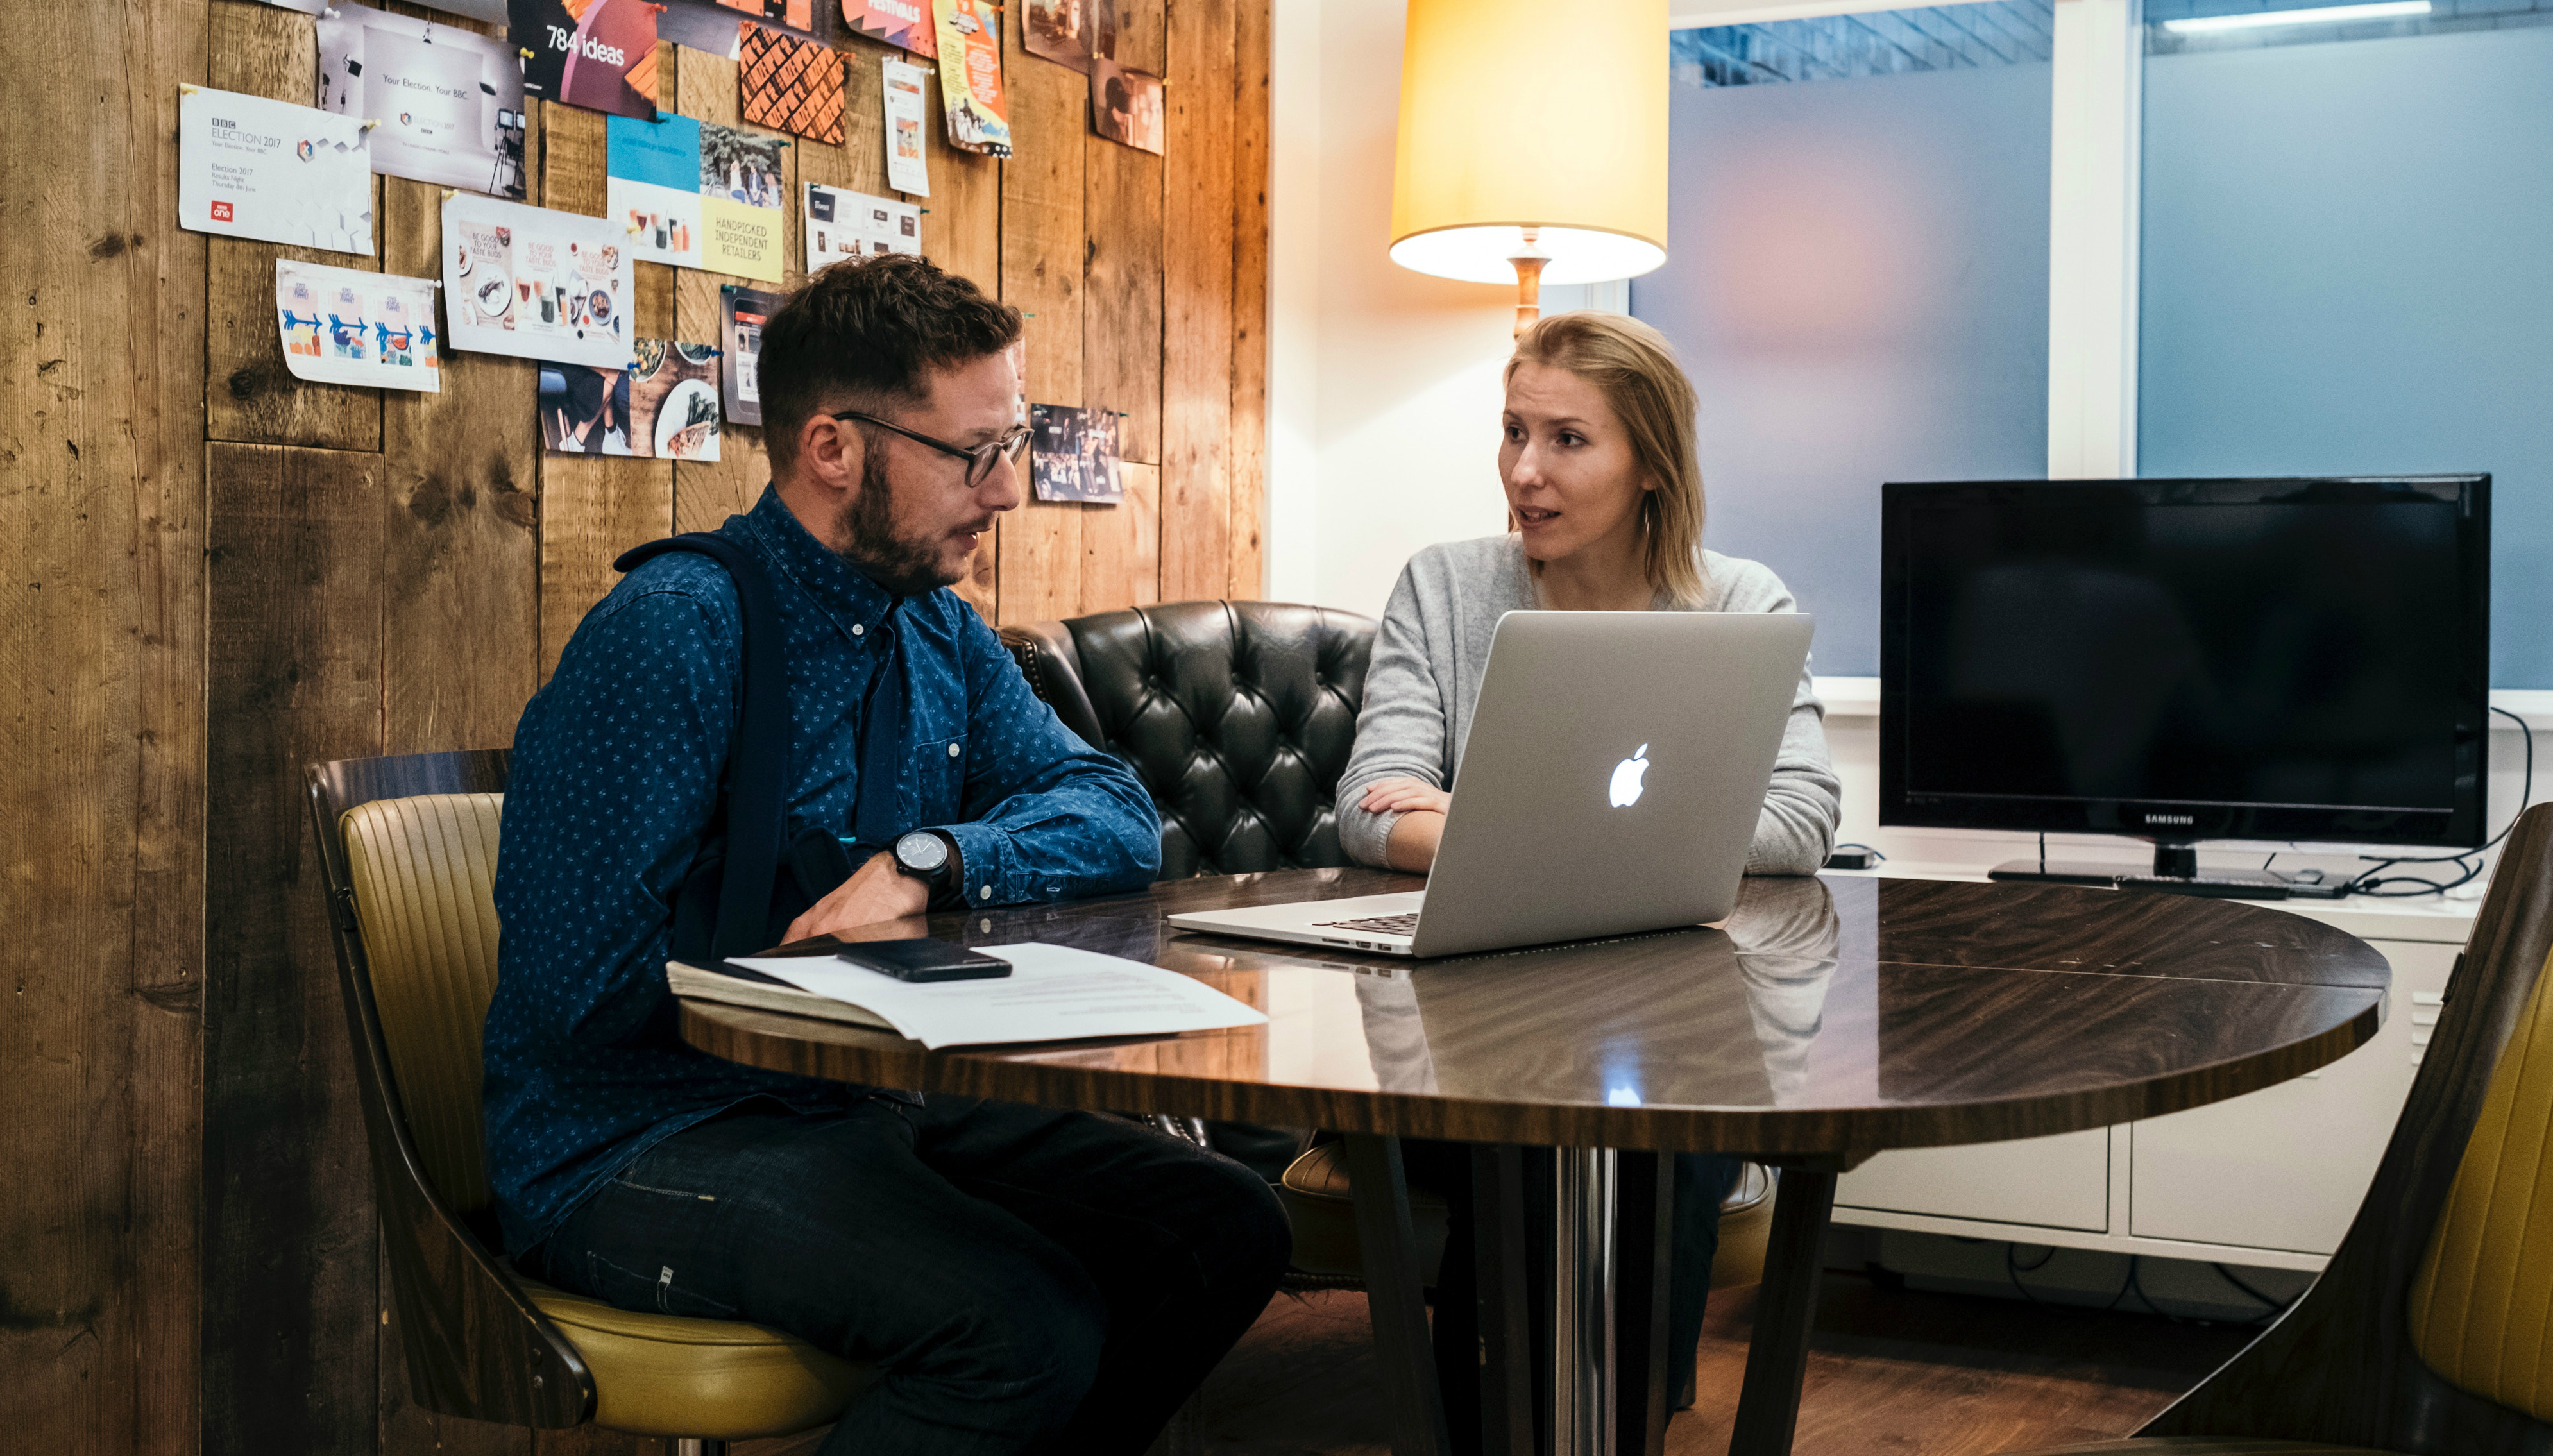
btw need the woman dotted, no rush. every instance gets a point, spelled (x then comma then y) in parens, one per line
(1605, 506)
(1604, 503)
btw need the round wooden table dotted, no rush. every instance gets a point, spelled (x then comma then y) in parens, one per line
(1825, 1020)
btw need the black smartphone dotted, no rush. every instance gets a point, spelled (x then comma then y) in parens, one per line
(924, 959)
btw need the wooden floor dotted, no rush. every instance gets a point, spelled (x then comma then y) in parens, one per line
(1897, 1371)
(1904, 1373)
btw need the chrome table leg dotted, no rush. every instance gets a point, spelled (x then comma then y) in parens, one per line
(1584, 1188)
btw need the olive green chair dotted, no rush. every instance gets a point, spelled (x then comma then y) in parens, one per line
(2430, 1333)
(408, 850)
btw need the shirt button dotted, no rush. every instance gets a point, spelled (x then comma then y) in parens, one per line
(858, 631)
(988, 892)
(952, 750)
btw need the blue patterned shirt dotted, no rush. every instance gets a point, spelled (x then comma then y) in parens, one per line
(616, 774)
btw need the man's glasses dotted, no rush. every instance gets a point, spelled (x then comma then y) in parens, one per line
(979, 461)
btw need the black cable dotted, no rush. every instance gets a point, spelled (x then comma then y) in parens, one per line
(2274, 1308)
(2013, 1271)
(2370, 881)
(1875, 855)
(2134, 1278)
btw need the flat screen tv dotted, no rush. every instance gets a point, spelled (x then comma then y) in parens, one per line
(2184, 660)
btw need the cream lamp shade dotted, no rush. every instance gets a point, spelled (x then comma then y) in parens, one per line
(1533, 141)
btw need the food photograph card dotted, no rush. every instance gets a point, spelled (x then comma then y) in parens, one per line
(653, 185)
(741, 313)
(906, 116)
(741, 203)
(448, 102)
(842, 224)
(1072, 454)
(345, 326)
(907, 24)
(535, 283)
(584, 410)
(970, 76)
(674, 401)
(600, 54)
(791, 85)
(250, 168)
(1064, 32)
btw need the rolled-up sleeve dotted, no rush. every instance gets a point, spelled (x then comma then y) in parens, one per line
(1400, 729)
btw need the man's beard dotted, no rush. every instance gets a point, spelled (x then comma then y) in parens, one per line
(904, 568)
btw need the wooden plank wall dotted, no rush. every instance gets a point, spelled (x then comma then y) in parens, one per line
(215, 574)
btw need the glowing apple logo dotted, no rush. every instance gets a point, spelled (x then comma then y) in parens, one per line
(1626, 778)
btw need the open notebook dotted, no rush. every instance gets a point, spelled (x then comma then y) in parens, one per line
(1054, 993)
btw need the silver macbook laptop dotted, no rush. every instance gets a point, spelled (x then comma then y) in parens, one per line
(1612, 784)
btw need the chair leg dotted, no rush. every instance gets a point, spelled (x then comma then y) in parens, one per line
(699, 1447)
(1392, 1294)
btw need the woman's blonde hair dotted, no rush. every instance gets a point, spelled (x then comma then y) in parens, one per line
(1634, 368)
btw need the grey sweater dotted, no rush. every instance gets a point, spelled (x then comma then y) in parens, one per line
(1425, 677)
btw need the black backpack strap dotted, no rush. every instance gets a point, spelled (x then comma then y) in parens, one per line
(757, 761)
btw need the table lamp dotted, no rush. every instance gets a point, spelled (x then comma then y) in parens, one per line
(1533, 143)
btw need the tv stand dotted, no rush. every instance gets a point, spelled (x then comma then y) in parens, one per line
(2175, 872)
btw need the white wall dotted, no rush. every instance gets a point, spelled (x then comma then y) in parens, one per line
(1384, 388)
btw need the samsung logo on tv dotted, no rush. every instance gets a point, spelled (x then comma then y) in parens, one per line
(2171, 819)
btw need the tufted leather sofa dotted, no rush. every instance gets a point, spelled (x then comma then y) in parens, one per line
(1238, 717)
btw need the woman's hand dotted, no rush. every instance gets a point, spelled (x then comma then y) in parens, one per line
(1404, 796)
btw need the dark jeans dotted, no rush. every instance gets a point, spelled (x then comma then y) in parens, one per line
(1702, 1180)
(1025, 1280)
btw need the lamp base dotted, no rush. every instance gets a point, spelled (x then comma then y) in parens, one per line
(1528, 270)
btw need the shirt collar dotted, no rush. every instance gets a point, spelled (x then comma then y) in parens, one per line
(855, 605)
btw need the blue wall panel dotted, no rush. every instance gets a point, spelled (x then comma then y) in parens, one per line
(2348, 262)
(1856, 279)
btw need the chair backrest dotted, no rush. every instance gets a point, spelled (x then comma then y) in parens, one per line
(2427, 1331)
(407, 852)
(1237, 715)
(424, 870)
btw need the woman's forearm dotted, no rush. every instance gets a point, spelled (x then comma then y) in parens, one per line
(1414, 836)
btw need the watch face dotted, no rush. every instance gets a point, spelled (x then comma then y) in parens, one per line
(922, 853)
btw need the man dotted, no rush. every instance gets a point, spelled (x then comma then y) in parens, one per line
(1026, 1279)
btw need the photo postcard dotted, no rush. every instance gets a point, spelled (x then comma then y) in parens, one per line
(743, 205)
(448, 103)
(791, 85)
(585, 411)
(907, 113)
(600, 54)
(674, 401)
(535, 283)
(653, 185)
(741, 314)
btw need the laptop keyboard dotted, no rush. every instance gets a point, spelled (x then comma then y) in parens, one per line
(1390, 924)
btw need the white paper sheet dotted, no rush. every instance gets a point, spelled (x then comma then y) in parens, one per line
(345, 326)
(535, 283)
(251, 167)
(449, 102)
(906, 168)
(1054, 993)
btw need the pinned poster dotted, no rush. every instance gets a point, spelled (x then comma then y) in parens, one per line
(743, 312)
(651, 184)
(740, 203)
(970, 76)
(600, 54)
(250, 168)
(535, 283)
(906, 115)
(906, 25)
(790, 85)
(843, 224)
(343, 326)
(448, 102)
(1065, 31)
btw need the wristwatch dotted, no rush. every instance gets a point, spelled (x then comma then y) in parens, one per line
(930, 857)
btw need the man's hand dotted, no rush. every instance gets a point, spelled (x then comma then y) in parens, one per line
(876, 891)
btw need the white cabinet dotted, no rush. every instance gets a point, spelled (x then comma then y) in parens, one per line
(2062, 1182)
(2285, 1167)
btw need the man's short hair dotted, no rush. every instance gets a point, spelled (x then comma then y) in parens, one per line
(867, 334)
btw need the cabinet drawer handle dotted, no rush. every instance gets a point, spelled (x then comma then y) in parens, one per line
(2428, 998)
(2424, 1018)
(2419, 1038)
